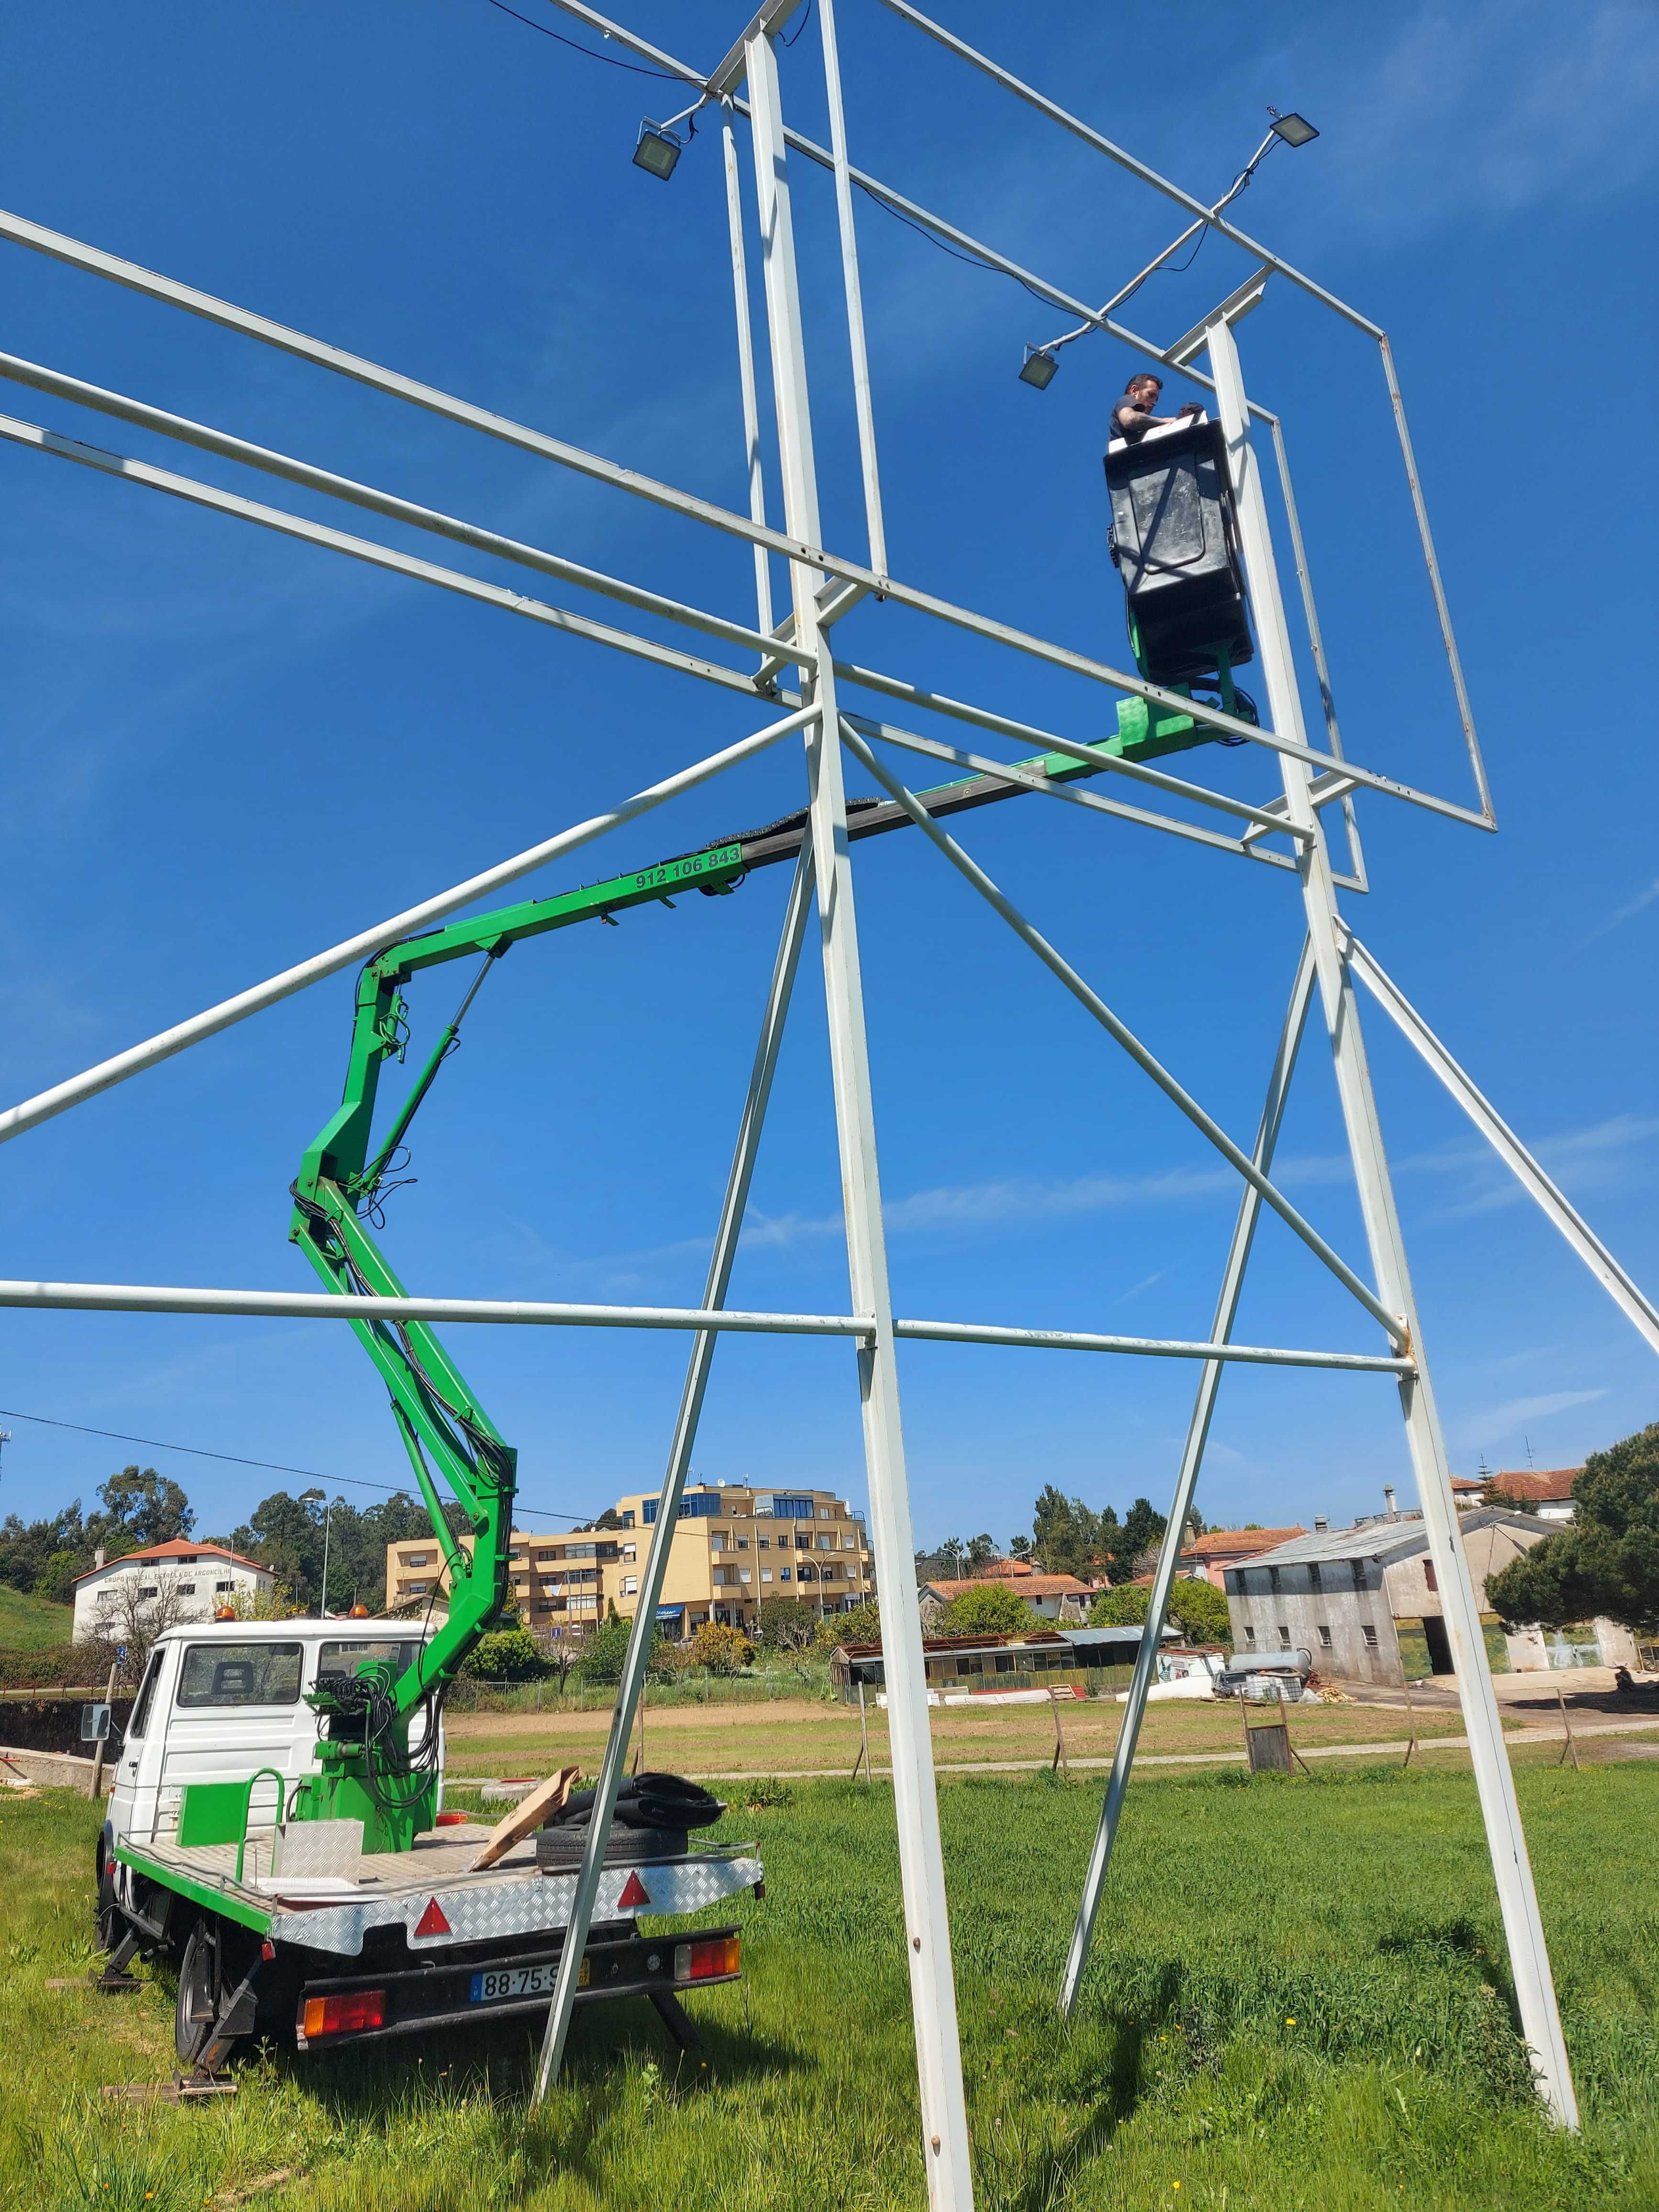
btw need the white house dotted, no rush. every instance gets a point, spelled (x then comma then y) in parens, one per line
(184, 1580)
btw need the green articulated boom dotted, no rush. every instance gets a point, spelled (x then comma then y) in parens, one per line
(367, 1770)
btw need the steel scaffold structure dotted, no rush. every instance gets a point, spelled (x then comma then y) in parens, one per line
(825, 588)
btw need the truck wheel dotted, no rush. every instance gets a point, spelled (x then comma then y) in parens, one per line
(199, 1992)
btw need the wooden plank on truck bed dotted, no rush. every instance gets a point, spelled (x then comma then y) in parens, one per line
(531, 1812)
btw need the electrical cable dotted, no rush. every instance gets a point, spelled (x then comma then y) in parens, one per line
(237, 1459)
(576, 47)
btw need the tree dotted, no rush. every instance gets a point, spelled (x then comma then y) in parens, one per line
(952, 1556)
(862, 1624)
(1019, 1547)
(133, 1621)
(601, 1659)
(1199, 1610)
(783, 1624)
(1060, 1537)
(1605, 1561)
(721, 1650)
(1124, 1606)
(1143, 1531)
(508, 1654)
(139, 1510)
(986, 1609)
(981, 1553)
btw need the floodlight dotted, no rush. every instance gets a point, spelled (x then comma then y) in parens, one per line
(657, 151)
(1039, 369)
(1295, 129)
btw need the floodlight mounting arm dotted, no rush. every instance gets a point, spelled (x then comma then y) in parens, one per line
(1239, 182)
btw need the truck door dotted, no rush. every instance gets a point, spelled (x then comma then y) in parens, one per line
(126, 1796)
(237, 1708)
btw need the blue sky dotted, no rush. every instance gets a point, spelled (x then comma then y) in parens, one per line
(226, 751)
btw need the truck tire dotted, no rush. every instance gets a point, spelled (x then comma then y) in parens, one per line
(200, 1991)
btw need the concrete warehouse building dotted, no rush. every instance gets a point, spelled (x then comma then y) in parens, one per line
(733, 1546)
(1365, 1600)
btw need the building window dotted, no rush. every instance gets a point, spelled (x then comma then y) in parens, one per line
(1314, 1583)
(1250, 1635)
(743, 1574)
(783, 1574)
(1369, 1635)
(631, 1585)
(186, 1590)
(826, 1543)
(1284, 1636)
(743, 1543)
(224, 1586)
(1428, 1569)
(1324, 1636)
(150, 1589)
(1273, 1580)
(417, 1559)
(418, 1589)
(766, 1574)
(763, 1543)
(630, 1551)
(1358, 1571)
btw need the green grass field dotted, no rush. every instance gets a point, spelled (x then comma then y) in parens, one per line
(30, 1623)
(1299, 2002)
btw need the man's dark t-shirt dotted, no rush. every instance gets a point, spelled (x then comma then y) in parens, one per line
(1140, 422)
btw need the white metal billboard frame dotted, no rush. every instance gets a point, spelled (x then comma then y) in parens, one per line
(824, 589)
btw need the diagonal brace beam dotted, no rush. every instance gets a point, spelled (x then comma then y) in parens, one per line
(1197, 1432)
(1633, 1301)
(1094, 1004)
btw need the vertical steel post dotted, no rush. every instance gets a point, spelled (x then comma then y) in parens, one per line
(1529, 1957)
(751, 445)
(1191, 1458)
(849, 272)
(631, 1689)
(926, 1925)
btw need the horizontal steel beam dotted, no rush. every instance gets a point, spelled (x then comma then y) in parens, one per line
(200, 434)
(323, 1305)
(1148, 1347)
(92, 259)
(194, 493)
(367, 942)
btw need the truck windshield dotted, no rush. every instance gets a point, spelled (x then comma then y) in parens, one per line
(140, 1720)
(221, 1675)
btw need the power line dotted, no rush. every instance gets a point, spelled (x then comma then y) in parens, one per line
(236, 1459)
(577, 47)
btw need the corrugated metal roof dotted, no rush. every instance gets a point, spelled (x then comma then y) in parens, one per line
(1386, 1536)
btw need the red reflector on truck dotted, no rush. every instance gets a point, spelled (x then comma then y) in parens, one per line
(634, 1892)
(432, 1921)
(360, 2009)
(706, 1960)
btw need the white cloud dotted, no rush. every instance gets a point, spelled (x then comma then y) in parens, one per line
(1491, 109)
(1510, 1417)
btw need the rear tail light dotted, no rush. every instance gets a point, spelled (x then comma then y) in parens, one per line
(343, 2015)
(709, 1959)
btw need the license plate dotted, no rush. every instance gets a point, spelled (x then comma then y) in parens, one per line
(498, 1982)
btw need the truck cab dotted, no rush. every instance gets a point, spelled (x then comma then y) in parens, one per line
(224, 1701)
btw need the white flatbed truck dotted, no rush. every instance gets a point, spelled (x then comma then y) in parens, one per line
(283, 1929)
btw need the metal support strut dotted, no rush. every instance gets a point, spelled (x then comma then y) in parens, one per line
(1529, 1964)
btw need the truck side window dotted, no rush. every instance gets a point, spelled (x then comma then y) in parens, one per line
(146, 1697)
(340, 1662)
(221, 1675)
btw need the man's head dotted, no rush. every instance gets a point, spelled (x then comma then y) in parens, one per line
(1143, 390)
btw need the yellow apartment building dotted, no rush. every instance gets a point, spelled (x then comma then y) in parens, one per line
(562, 1584)
(734, 1546)
(737, 1544)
